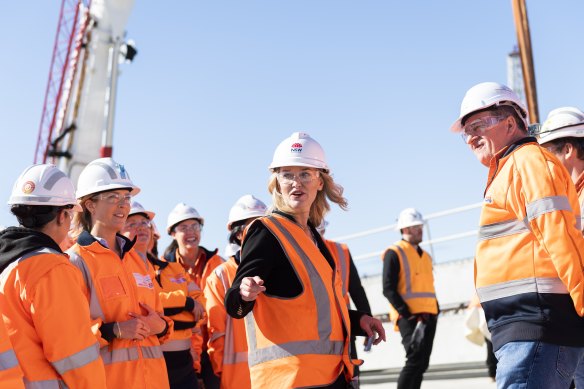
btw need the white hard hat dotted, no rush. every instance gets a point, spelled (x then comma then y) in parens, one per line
(182, 212)
(299, 150)
(44, 184)
(409, 217)
(136, 207)
(485, 95)
(104, 174)
(246, 207)
(230, 250)
(561, 123)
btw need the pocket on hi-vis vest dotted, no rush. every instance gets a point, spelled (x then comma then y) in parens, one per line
(143, 280)
(111, 286)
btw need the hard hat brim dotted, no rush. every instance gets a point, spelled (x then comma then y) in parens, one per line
(134, 190)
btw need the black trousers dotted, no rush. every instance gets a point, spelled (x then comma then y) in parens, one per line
(417, 361)
(491, 359)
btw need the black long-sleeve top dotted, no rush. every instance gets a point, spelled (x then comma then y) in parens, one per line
(356, 290)
(262, 256)
(391, 269)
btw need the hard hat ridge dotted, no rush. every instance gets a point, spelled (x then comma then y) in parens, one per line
(104, 174)
(299, 149)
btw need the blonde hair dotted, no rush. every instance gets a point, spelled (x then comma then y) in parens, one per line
(81, 220)
(320, 207)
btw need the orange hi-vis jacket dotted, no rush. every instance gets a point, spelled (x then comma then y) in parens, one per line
(416, 280)
(342, 257)
(301, 341)
(176, 285)
(227, 343)
(529, 258)
(47, 318)
(10, 372)
(116, 287)
(580, 189)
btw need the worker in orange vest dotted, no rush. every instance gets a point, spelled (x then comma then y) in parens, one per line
(227, 339)
(54, 344)
(299, 330)
(124, 302)
(352, 288)
(181, 298)
(185, 225)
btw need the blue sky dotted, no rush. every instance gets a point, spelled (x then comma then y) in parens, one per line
(217, 85)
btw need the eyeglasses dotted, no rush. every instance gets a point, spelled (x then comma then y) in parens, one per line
(136, 225)
(479, 127)
(305, 177)
(115, 198)
(189, 227)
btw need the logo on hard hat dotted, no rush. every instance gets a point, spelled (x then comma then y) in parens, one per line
(296, 148)
(28, 187)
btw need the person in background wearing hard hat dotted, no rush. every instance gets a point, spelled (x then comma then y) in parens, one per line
(298, 330)
(184, 226)
(182, 299)
(41, 294)
(528, 262)
(227, 342)
(123, 300)
(408, 284)
(351, 282)
(563, 135)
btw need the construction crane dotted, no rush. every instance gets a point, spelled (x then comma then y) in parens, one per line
(77, 120)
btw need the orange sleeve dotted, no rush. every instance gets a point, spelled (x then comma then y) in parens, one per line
(10, 372)
(68, 342)
(216, 315)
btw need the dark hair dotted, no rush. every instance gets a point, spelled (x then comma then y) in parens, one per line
(36, 216)
(577, 143)
(236, 230)
(171, 248)
(508, 110)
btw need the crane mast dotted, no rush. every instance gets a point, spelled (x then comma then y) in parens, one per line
(79, 109)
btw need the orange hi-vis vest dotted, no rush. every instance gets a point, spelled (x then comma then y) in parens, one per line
(227, 343)
(342, 257)
(176, 285)
(580, 189)
(530, 252)
(116, 287)
(301, 341)
(47, 318)
(10, 372)
(416, 280)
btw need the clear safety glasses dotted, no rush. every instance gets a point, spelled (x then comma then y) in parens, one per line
(115, 198)
(136, 225)
(304, 177)
(189, 227)
(479, 127)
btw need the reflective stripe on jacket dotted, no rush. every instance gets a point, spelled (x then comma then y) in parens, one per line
(10, 372)
(116, 287)
(528, 265)
(227, 339)
(47, 317)
(301, 341)
(342, 257)
(416, 280)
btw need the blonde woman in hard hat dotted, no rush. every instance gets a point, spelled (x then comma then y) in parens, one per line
(124, 303)
(408, 284)
(287, 286)
(185, 225)
(227, 343)
(42, 297)
(562, 134)
(528, 261)
(181, 298)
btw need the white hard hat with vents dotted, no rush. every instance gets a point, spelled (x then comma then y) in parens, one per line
(562, 123)
(44, 184)
(486, 95)
(137, 208)
(246, 207)
(299, 150)
(409, 217)
(180, 213)
(104, 174)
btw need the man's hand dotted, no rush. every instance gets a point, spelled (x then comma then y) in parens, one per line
(371, 326)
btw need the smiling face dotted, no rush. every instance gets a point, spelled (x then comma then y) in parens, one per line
(187, 234)
(138, 226)
(486, 136)
(109, 210)
(299, 187)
